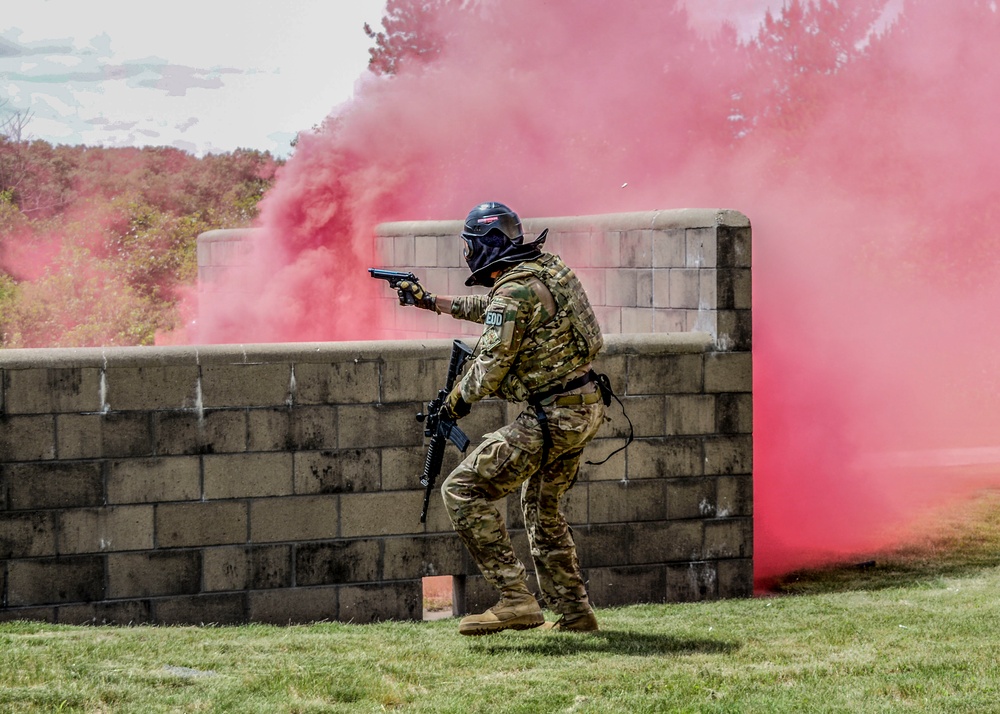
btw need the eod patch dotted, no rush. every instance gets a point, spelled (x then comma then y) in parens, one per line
(494, 318)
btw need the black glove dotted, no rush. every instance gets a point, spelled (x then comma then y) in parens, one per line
(455, 405)
(411, 293)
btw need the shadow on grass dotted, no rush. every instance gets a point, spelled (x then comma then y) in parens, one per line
(638, 644)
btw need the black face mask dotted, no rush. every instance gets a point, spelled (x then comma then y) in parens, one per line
(487, 254)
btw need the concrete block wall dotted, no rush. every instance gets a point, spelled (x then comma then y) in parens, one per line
(685, 270)
(279, 483)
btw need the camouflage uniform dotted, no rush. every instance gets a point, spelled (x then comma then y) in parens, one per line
(539, 333)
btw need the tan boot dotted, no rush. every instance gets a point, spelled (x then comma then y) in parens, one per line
(577, 622)
(515, 611)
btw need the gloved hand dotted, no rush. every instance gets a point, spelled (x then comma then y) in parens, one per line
(455, 406)
(411, 293)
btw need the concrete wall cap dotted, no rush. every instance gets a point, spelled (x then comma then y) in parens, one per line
(641, 220)
(306, 352)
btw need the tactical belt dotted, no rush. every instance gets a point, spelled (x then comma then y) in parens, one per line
(602, 393)
(565, 400)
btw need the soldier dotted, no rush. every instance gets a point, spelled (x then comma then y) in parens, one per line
(539, 338)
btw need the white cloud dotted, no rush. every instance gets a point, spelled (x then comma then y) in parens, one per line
(209, 75)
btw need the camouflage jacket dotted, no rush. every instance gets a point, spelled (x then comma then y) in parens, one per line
(539, 331)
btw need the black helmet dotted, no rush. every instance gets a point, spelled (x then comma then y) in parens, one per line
(494, 241)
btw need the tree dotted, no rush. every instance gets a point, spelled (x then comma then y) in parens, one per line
(410, 35)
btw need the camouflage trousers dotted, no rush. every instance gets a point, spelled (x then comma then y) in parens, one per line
(511, 458)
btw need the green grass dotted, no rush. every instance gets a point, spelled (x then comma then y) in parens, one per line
(916, 632)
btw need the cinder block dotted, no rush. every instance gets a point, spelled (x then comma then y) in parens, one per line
(670, 320)
(665, 374)
(27, 438)
(269, 429)
(575, 247)
(412, 380)
(27, 535)
(685, 288)
(729, 455)
(422, 556)
(346, 470)
(352, 382)
(340, 561)
(295, 518)
(735, 578)
(66, 484)
(55, 580)
(151, 574)
(692, 582)
(661, 288)
(118, 612)
(647, 413)
(79, 436)
(155, 387)
(669, 248)
(245, 385)
(729, 538)
(374, 514)
(708, 290)
(247, 475)
(154, 480)
(313, 427)
(728, 372)
(701, 251)
(614, 587)
(613, 469)
(211, 431)
(667, 542)
(424, 253)
(181, 525)
(356, 426)
(627, 501)
(51, 390)
(734, 413)
(449, 252)
(401, 467)
(691, 498)
(126, 434)
(401, 600)
(734, 496)
(97, 530)
(403, 250)
(665, 458)
(293, 605)
(621, 288)
(218, 609)
(734, 289)
(637, 320)
(689, 414)
(637, 249)
(603, 545)
(246, 568)
(735, 330)
(734, 247)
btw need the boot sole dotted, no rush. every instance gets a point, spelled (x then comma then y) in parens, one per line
(489, 628)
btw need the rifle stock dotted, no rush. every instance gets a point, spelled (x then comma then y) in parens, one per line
(440, 428)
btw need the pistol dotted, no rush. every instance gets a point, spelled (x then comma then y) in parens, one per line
(394, 278)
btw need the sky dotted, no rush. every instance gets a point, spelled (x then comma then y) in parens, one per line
(206, 77)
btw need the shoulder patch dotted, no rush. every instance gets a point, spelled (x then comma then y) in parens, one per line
(494, 318)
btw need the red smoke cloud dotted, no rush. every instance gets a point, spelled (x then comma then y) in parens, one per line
(867, 163)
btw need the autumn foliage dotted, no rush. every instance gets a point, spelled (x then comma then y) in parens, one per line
(97, 245)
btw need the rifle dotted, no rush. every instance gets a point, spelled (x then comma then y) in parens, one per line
(394, 278)
(440, 428)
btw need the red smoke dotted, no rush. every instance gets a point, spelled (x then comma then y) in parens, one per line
(867, 161)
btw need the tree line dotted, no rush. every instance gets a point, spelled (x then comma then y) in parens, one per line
(98, 245)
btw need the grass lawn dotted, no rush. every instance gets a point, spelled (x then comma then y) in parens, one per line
(916, 631)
